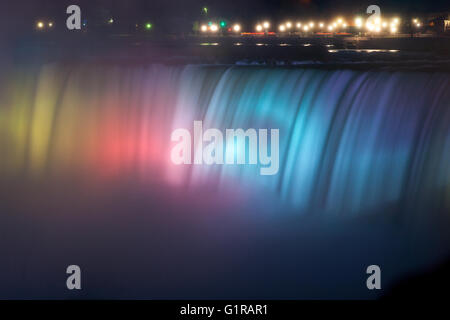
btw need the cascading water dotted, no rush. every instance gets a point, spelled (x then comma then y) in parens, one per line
(349, 141)
(86, 176)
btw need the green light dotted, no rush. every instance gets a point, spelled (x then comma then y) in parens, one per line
(148, 26)
(111, 20)
(210, 23)
(223, 24)
(205, 10)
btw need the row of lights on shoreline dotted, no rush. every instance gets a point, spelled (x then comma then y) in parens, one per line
(42, 25)
(376, 25)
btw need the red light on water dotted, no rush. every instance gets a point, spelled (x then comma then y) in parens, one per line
(256, 33)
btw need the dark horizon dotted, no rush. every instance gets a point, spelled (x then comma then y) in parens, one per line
(184, 13)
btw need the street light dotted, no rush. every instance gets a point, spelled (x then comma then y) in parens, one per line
(266, 25)
(40, 25)
(236, 28)
(259, 28)
(288, 25)
(204, 28)
(282, 28)
(214, 27)
(50, 24)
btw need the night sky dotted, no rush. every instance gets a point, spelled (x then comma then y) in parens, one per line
(19, 15)
(249, 8)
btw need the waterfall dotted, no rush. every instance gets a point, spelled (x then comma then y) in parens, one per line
(349, 140)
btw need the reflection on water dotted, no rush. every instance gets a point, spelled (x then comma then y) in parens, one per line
(209, 44)
(364, 50)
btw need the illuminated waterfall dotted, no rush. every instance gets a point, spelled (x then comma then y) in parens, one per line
(349, 141)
